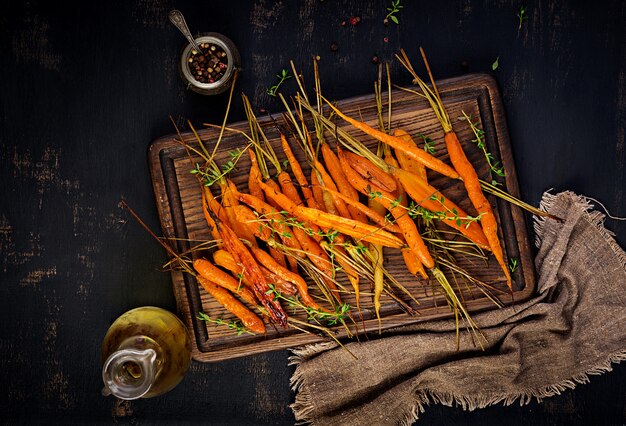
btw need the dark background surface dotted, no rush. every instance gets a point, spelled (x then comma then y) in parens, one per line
(84, 89)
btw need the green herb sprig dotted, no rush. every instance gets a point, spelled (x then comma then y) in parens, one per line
(521, 16)
(212, 175)
(391, 15)
(329, 318)
(236, 326)
(494, 167)
(284, 75)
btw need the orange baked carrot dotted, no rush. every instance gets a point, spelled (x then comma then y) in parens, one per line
(368, 212)
(221, 278)
(343, 187)
(299, 174)
(400, 144)
(372, 174)
(318, 194)
(225, 260)
(254, 175)
(462, 165)
(431, 199)
(403, 220)
(327, 221)
(247, 317)
(407, 162)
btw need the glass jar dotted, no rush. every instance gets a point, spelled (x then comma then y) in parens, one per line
(146, 352)
(232, 59)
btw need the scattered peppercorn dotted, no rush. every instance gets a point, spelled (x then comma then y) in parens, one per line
(386, 21)
(355, 20)
(343, 23)
(375, 59)
(334, 47)
(386, 39)
(208, 66)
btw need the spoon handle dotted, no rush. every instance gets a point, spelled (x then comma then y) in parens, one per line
(178, 20)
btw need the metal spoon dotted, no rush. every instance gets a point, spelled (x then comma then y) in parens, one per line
(178, 20)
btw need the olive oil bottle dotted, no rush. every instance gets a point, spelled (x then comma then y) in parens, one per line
(146, 352)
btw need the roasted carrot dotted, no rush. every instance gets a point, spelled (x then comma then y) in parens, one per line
(403, 220)
(247, 317)
(478, 199)
(320, 259)
(221, 278)
(273, 219)
(229, 201)
(462, 165)
(318, 194)
(207, 216)
(286, 274)
(242, 255)
(289, 189)
(400, 144)
(328, 221)
(431, 199)
(343, 187)
(225, 260)
(372, 174)
(254, 175)
(299, 174)
(407, 162)
(375, 216)
(274, 185)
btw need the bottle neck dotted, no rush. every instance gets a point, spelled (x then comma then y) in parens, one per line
(129, 373)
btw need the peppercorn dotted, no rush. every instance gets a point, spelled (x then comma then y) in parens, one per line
(208, 66)
(334, 47)
(375, 59)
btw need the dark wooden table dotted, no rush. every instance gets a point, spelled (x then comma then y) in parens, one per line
(85, 87)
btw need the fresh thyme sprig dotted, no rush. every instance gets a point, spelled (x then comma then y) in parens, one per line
(513, 264)
(415, 210)
(479, 140)
(429, 144)
(210, 176)
(237, 326)
(330, 318)
(521, 16)
(395, 8)
(284, 75)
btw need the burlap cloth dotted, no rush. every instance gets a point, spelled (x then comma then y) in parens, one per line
(575, 326)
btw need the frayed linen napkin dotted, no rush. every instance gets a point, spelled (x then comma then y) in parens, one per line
(574, 326)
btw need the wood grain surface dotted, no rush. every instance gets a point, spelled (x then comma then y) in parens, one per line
(85, 87)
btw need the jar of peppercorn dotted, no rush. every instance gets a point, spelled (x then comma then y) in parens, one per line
(211, 70)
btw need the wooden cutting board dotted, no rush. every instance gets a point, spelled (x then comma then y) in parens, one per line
(178, 202)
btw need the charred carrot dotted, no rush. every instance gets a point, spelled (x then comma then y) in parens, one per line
(207, 216)
(286, 274)
(400, 144)
(225, 260)
(318, 194)
(462, 165)
(320, 259)
(229, 201)
(247, 317)
(242, 255)
(478, 199)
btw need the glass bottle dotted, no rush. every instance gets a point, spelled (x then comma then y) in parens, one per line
(145, 353)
